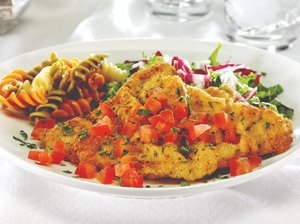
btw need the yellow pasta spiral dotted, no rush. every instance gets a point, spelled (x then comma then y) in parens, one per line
(112, 72)
(36, 70)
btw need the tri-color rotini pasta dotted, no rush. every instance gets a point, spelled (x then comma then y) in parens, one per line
(59, 88)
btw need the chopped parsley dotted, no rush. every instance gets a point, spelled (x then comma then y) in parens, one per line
(143, 112)
(107, 142)
(67, 171)
(66, 129)
(24, 135)
(267, 125)
(82, 134)
(98, 113)
(23, 142)
(175, 129)
(178, 91)
(184, 184)
(104, 153)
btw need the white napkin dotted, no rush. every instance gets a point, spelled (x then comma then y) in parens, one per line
(27, 198)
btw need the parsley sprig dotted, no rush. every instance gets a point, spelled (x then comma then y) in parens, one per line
(23, 139)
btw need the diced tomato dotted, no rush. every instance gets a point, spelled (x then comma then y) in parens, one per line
(58, 146)
(34, 155)
(160, 96)
(147, 134)
(131, 178)
(208, 137)
(130, 127)
(170, 136)
(121, 146)
(120, 168)
(106, 110)
(102, 128)
(45, 158)
(186, 123)
(221, 120)
(153, 105)
(57, 157)
(197, 130)
(42, 124)
(239, 166)
(231, 136)
(86, 170)
(180, 110)
(135, 114)
(199, 117)
(254, 161)
(161, 128)
(58, 153)
(167, 117)
(155, 119)
(106, 175)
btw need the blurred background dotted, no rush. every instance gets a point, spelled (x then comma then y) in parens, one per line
(45, 23)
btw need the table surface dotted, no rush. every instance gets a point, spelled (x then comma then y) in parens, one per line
(27, 198)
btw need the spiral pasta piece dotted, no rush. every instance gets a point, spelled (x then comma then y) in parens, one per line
(43, 111)
(36, 70)
(23, 99)
(95, 80)
(43, 80)
(86, 66)
(112, 72)
(58, 88)
(12, 81)
(72, 108)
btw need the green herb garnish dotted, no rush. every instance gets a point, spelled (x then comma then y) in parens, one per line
(98, 113)
(125, 152)
(143, 112)
(104, 153)
(106, 142)
(82, 134)
(214, 55)
(184, 184)
(175, 129)
(23, 140)
(67, 171)
(66, 129)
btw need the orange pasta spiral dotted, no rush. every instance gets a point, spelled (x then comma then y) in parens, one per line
(15, 91)
(71, 108)
(95, 80)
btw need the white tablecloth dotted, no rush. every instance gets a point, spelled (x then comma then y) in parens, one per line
(27, 198)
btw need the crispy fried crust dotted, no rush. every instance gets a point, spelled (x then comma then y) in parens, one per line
(261, 131)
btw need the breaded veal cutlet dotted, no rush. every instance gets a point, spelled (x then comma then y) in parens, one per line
(262, 131)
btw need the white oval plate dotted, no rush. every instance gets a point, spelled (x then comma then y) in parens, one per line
(280, 70)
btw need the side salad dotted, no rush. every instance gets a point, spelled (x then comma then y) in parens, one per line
(245, 81)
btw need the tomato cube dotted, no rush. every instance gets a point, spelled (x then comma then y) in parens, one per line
(85, 170)
(106, 175)
(131, 178)
(153, 105)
